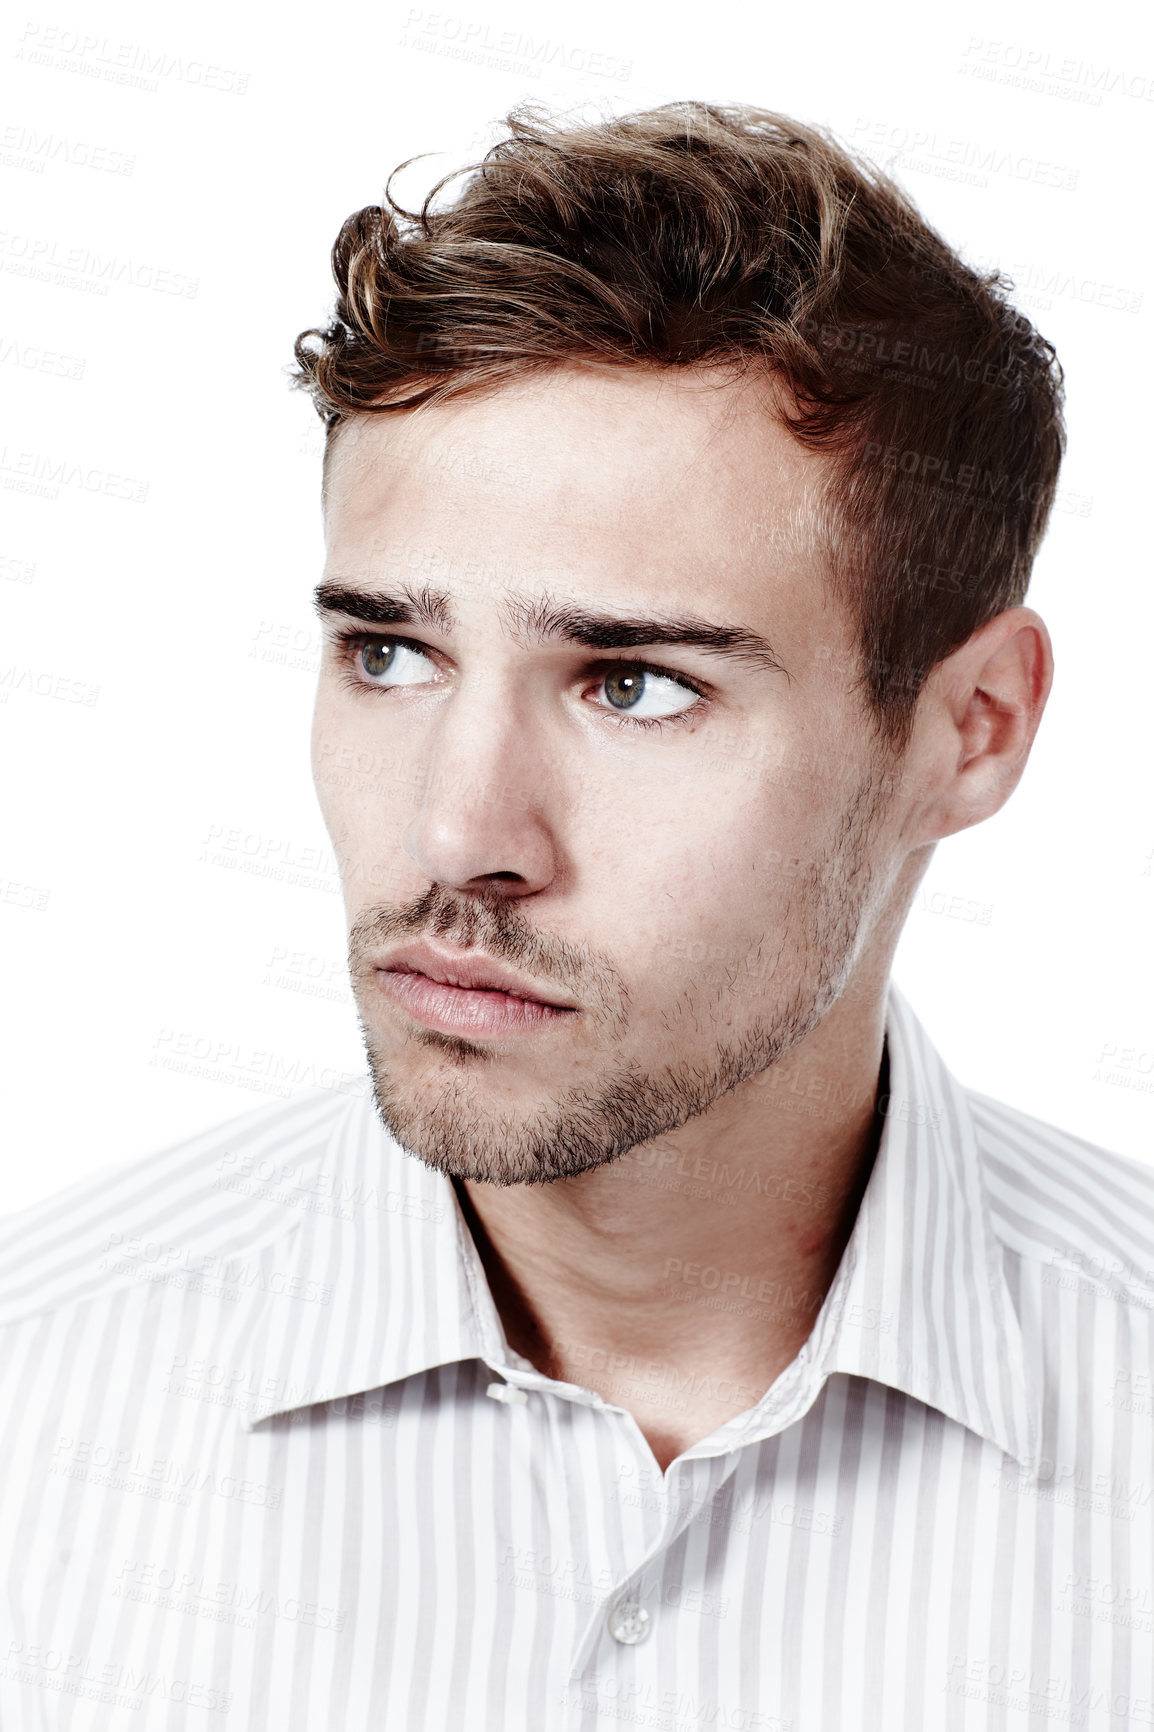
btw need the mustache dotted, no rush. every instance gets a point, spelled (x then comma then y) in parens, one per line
(492, 922)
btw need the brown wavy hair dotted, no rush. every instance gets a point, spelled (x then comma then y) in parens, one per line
(728, 236)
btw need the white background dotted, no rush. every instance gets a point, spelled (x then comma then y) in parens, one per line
(173, 180)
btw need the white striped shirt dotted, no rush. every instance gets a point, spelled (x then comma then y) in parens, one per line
(252, 1478)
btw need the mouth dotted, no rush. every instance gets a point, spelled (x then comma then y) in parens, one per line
(466, 993)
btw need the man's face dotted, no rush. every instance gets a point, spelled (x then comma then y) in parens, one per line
(673, 853)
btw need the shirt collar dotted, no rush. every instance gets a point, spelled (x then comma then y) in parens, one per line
(920, 1300)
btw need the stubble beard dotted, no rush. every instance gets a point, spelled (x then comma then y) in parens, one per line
(581, 1129)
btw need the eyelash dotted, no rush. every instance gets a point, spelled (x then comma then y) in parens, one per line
(350, 642)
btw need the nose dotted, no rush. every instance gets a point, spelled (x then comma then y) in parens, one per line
(483, 823)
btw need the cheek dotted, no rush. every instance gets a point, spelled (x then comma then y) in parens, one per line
(715, 905)
(728, 846)
(354, 791)
(353, 768)
(330, 753)
(697, 903)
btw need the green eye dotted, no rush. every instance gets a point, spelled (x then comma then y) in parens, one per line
(624, 689)
(386, 662)
(377, 658)
(645, 695)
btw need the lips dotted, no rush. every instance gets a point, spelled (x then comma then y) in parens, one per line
(465, 994)
(470, 973)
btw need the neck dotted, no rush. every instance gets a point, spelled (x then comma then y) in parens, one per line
(708, 1252)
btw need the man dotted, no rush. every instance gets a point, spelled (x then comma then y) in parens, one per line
(666, 1338)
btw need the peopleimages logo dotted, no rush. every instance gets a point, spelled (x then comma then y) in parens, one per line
(475, 40)
(28, 148)
(133, 64)
(43, 474)
(1069, 76)
(959, 159)
(50, 260)
(191, 1590)
(32, 358)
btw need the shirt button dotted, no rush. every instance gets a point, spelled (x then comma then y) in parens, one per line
(508, 1393)
(629, 1623)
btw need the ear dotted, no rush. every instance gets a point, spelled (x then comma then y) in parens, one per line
(977, 717)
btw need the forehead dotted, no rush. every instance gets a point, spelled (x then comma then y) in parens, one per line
(625, 484)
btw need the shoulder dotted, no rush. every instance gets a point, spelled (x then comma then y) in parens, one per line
(235, 1187)
(1057, 1198)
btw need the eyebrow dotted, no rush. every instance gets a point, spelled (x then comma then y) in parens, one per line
(428, 607)
(550, 622)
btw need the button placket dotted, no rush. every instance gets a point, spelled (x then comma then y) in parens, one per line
(628, 1612)
(628, 1620)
